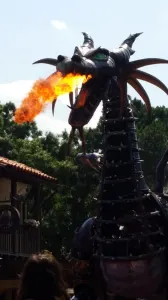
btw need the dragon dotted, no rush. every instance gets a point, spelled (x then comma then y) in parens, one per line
(122, 252)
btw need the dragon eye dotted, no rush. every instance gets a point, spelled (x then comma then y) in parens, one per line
(100, 56)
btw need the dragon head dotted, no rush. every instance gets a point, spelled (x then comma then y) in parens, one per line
(103, 64)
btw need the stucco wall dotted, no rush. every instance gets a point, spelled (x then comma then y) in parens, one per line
(5, 189)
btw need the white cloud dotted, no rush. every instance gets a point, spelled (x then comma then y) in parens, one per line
(46, 123)
(15, 91)
(93, 122)
(58, 24)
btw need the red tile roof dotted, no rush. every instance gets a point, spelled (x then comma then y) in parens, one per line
(23, 168)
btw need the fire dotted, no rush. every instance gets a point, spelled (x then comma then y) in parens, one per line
(45, 91)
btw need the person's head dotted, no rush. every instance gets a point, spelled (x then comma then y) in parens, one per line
(42, 279)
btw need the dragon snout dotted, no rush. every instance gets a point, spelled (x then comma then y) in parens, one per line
(65, 65)
(80, 65)
(61, 58)
(76, 58)
(68, 65)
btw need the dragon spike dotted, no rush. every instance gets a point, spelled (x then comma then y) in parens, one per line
(146, 62)
(71, 99)
(81, 134)
(88, 40)
(71, 135)
(141, 91)
(53, 106)
(49, 61)
(123, 95)
(149, 78)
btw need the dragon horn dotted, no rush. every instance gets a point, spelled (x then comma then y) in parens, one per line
(131, 39)
(141, 91)
(146, 62)
(49, 61)
(149, 78)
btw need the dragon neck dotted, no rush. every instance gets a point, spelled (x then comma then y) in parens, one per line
(122, 174)
(128, 213)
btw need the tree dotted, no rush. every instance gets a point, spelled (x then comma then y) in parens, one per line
(22, 131)
(152, 131)
(75, 189)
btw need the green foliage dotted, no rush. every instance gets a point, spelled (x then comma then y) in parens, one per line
(152, 131)
(73, 201)
(77, 185)
(153, 139)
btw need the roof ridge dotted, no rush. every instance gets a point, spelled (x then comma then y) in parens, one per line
(23, 167)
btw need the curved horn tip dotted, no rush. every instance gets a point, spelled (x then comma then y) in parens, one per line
(37, 61)
(135, 35)
(139, 33)
(86, 35)
(88, 39)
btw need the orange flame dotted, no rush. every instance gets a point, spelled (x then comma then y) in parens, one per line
(45, 91)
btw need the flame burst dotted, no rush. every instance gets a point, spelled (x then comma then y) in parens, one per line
(45, 91)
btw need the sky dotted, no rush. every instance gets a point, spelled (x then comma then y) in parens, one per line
(34, 29)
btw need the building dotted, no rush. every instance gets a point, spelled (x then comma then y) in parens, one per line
(20, 219)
